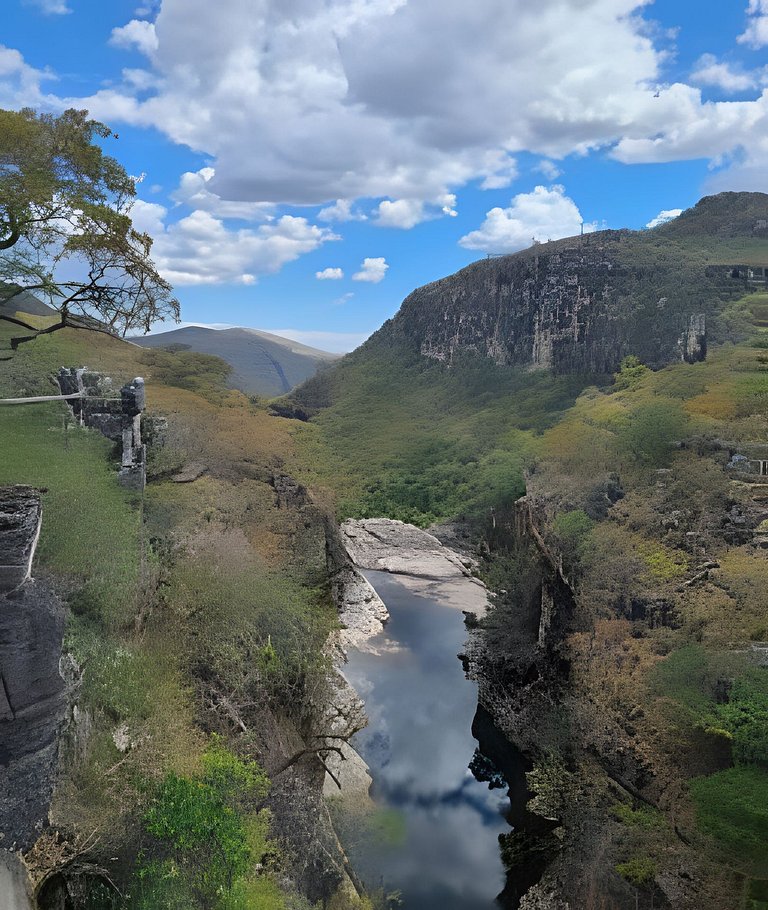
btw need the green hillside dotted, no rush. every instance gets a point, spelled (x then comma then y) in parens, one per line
(262, 364)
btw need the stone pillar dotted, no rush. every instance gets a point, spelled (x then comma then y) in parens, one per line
(693, 341)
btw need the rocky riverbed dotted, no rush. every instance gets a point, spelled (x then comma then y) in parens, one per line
(418, 560)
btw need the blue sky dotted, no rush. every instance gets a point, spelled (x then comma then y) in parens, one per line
(447, 129)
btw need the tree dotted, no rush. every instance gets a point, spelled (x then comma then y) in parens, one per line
(65, 227)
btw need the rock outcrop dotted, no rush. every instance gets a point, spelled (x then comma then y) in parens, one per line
(417, 558)
(32, 691)
(20, 519)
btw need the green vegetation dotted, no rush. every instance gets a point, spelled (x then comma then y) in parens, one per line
(407, 438)
(91, 525)
(64, 213)
(643, 817)
(208, 834)
(639, 870)
(193, 605)
(733, 808)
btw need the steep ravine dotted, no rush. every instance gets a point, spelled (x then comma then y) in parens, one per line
(425, 581)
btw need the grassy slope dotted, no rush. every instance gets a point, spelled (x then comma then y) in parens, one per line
(214, 566)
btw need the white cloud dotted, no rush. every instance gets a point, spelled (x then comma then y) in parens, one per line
(193, 191)
(372, 270)
(756, 32)
(663, 217)
(298, 101)
(407, 213)
(709, 71)
(201, 250)
(141, 80)
(330, 274)
(50, 7)
(544, 214)
(341, 210)
(402, 213)
(19, 82)
(138, 33)
(345, 298)
(549, 169)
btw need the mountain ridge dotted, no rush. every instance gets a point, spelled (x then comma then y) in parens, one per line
(262, 363)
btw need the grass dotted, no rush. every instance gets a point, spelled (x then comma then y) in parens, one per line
(91, 525)
(732, 807)
(145, 680)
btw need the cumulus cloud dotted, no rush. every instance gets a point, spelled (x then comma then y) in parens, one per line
(402, 213)
(407, 213)
(330, 274)
(756, 32)
(299, 103)
(20, 83)
(138, 33)
(200, 249)
(544, 214)
(193, 191)
(663, 217)
(372, 270)
(709, 71)
(341, 210)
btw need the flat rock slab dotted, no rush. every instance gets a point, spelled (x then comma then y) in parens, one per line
(20, 517)
(189, 473)
(417, 558)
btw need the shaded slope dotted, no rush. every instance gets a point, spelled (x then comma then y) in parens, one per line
(262, 364)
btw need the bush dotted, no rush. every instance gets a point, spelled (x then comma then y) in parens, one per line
(640, 870)
(206, 840)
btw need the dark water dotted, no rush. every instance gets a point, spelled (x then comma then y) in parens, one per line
(419, 746)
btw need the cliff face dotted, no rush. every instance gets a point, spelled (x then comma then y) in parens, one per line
(581, 304)
(576, 308)
(32, 692)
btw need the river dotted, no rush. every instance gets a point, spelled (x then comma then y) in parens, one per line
(443, 823)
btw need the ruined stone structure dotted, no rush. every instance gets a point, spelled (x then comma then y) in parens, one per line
(755, 275)
(118, 417)
(749, 459)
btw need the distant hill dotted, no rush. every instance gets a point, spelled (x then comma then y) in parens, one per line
(262, 364)
(23, 302)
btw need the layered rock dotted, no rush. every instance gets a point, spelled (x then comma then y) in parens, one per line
(32, 691)
(417, 558)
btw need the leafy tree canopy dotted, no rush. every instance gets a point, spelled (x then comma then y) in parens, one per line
(65, 227)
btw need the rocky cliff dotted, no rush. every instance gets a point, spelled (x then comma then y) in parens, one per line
(581, 304)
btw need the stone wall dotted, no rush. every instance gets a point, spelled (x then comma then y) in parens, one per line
(116, 415)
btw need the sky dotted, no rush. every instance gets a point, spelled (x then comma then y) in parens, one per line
(304, 164)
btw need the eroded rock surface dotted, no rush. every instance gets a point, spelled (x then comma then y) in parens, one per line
(417, 558)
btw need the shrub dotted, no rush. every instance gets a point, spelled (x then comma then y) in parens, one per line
(640, 870)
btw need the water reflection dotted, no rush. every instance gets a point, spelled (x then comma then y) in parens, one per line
(419, 746)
